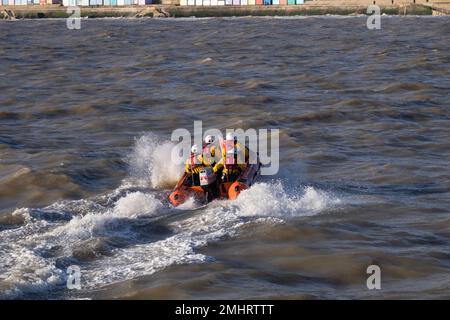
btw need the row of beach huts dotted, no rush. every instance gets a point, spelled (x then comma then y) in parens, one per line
(147, 2)
(85, 3)
(238, 2)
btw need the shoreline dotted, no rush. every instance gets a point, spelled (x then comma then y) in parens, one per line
(160, 11)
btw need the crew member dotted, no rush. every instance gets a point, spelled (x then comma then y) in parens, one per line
(234, 158)
(194, 164)
(209, 151)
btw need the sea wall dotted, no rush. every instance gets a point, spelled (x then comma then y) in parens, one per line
(55, 11)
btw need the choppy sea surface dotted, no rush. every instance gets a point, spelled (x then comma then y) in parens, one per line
(85, 123)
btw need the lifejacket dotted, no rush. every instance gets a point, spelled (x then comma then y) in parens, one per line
(209, 154)
(231, 155)
(193, 162)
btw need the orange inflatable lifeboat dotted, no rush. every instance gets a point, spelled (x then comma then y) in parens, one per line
(211, 188)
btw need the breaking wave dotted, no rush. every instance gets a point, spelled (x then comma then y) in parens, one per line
(151, 163)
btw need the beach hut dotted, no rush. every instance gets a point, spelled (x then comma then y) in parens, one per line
(198, 2)
(244, 2)
(191, 2)
(228, 2)
(259, 2)
(267, 2)
(214, 2)
(251, 2)
(283, 2)
(220, 2)
(183, 2)
(276, 2)
(290, 1)
(207, 2)
(299, 1)
(236, 2)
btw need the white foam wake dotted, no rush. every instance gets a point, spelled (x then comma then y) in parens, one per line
(27, 259)
(33, 256)
(151, 163)
(271, 199)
